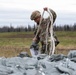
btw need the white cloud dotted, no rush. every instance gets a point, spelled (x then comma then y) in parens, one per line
(20, 10)
(59, 5)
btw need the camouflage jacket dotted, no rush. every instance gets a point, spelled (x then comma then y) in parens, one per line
(43, 26)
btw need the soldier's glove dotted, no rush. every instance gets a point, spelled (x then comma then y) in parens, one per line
(34, 45)
(56, 43)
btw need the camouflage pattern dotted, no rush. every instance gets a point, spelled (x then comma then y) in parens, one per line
(42, 32)
(42, 29)
(43, 26)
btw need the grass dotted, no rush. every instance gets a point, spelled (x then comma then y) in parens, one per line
(15, 42)
(12, 43)
(67, 38)
(67, 41)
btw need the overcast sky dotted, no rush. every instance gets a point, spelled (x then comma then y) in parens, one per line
(17, 12)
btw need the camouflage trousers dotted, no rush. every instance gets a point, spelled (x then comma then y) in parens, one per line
(44, 45)
(45, 50)
(48, 45)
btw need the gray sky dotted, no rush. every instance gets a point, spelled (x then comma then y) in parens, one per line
(17, 12)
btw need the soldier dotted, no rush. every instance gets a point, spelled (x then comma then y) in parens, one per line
(41, 35)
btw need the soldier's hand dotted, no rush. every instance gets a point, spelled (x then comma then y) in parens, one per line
(45, 9)
(34, 39)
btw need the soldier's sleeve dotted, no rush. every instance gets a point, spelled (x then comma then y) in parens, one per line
(37, 37)
(37, 34)
(35, 31)
(54, 15)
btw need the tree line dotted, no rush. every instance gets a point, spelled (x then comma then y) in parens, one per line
(65, 27)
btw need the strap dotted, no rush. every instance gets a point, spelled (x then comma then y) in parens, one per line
(39, 24)
(52, 49)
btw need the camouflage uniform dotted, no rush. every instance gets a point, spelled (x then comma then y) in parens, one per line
(42, 32)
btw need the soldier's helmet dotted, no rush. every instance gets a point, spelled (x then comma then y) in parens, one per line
(34, 15)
